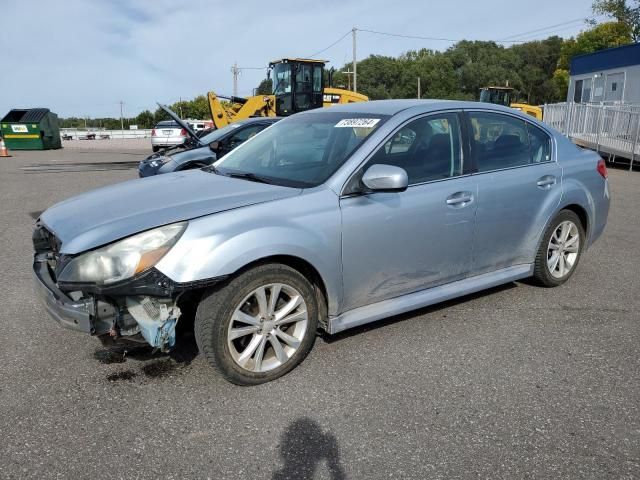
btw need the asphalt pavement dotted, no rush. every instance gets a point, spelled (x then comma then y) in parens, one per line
(514, 382)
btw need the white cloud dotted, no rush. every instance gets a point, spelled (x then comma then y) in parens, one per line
(81, 58)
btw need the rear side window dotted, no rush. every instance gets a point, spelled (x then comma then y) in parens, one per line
(499, 141)
(540, 145)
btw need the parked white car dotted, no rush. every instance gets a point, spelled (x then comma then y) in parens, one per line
(167, 133)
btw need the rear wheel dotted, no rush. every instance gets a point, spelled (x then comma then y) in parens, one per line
(154, 148)
(560, 250)
(259, 326)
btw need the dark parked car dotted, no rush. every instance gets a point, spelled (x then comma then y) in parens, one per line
(206, 149)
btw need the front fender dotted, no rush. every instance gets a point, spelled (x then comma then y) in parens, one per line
(306, 227)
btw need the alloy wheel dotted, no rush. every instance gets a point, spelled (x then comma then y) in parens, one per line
(563, 249)
(267, 327)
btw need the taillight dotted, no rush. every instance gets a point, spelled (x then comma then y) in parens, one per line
(153, 132)
(602, 168)
(183, 132)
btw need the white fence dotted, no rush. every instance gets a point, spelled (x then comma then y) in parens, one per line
(610, 129)
(97, 134)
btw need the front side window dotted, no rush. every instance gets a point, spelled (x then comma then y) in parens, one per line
(303, 150)
(427, 149)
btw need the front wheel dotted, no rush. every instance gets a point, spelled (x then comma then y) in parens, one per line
(560, 250)
(259, 326)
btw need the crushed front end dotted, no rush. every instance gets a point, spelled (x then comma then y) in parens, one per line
(142, 308)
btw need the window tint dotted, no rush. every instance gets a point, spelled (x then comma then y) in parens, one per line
(499, 141)
(244, 135)
(427, 148)
(540, 145)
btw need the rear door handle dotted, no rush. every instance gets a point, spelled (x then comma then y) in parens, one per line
(459, 199)
(546, 182)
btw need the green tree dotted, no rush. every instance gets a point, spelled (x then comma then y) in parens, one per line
(627, 14)
(265, 87)
(145, 119)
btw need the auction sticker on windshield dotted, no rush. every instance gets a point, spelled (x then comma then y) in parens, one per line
(357, 122)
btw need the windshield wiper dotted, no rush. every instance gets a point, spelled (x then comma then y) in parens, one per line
(212, 169)
(249, 176)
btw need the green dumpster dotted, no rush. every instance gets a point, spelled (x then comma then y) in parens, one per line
(32, 129)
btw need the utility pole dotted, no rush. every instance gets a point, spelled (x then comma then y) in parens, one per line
(355, 71)
(418, 87)
(236, 71)
(348, 73)
(121, 120)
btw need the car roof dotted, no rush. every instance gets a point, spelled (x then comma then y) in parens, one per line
(392, 107)
(258, 119)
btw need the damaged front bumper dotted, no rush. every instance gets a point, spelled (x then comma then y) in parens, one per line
(81, 314)
(153, 319)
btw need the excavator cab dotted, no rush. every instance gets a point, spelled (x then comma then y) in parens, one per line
(497, 95)
(297, 85)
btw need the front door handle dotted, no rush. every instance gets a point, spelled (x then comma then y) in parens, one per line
(546, 182)
(459, 199)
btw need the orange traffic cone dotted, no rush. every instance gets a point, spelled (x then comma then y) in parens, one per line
(4, 151)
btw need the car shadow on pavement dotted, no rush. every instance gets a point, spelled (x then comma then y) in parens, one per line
(327, 338)
(304, 446)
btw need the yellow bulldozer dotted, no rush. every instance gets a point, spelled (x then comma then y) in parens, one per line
(298, 85)
(504, 96)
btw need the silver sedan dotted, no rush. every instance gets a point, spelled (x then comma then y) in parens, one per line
(327, 220)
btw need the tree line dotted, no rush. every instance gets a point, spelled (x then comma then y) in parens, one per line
(537, 70)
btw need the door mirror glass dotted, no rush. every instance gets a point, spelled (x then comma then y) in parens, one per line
(385, 178)
(214, 146)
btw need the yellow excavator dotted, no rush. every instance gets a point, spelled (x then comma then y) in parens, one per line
(504, 96)
(298, 85)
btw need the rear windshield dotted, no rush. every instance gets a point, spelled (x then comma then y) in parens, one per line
(167, 124)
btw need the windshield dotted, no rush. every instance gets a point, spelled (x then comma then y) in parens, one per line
(281, 78)
(303, 150)
(218, 133)
(499, 97)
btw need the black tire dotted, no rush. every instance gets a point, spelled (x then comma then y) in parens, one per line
(215, 311)
(542, 274)
(155, 149)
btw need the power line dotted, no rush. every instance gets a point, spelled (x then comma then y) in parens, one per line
(418, 37)
(544, 28)
(333, 44)
(533, 38)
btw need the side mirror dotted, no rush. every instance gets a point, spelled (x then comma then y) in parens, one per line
(385, 178)
(214, 146)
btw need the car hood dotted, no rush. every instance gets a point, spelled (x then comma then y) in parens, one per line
(110, 213)
(190, 155)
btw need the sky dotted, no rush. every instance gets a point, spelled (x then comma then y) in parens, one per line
(81, 57)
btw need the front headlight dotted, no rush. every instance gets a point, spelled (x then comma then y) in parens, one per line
(158, 162)
(123, 259)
